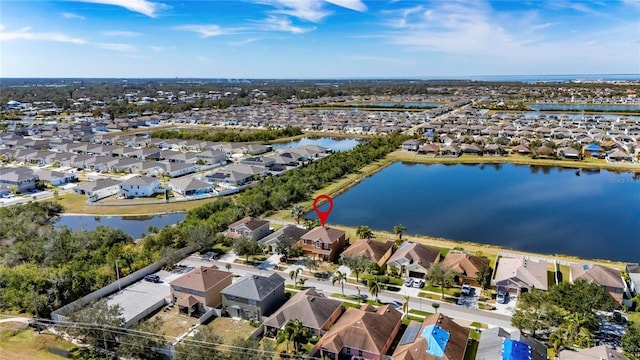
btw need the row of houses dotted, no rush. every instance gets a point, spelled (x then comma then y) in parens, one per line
(23, 180)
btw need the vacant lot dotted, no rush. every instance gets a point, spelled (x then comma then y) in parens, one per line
(175, 324)
(17, 342)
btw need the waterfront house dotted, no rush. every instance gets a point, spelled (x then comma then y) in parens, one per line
(323, 243)
(618, 155)
(437, 337)
(609, 278)
(364, 333)
(593, 151)
(376, 251)
(465, 266)
(414, 259)
(199, 289)
(568, 153)
(519, 274)
(99, 189)
(497, 343)
(520, 150)
(249, 227)
(429, 149)
(315, 311)
(411, 145)
(139, 186)
(602, 352)
(253, 297)
(633, 270)
(450, 151)
(190, 186)
(288, 235)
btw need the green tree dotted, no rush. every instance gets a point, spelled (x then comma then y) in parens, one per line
(311, 223)
(102, 319)
(374, 288)
(435, 306)
(399, 231)
(364, 232)
(203, 345)
(228, 266)
(143, 341)
(631, 341)
(293, 274)
(294, 331)
(311, 263)
(340, 278)
(246, 247)
(297, 212)
(484, 276)
(440, 275)
(357, 264)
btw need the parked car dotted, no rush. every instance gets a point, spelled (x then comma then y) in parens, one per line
(408, 282)
(152, 278)
(501, 298)
(418, 283)
(466, 289)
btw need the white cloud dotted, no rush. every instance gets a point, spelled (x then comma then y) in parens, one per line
(205, 30)
(27, 34)
(144, 7)
(355, 5)
(244, 42)
(69, 15)
(274, 23)
(308, 10)
(117, 47)
(119, 33)
(157, 48)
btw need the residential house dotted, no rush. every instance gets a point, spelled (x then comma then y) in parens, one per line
(618, 155)
(252, 228)
(411, 145)
(315, 311)
(429, 149)
(361, 333)
(212, 157)
(593, 151)
(56, 178)
(450, 150)
(190, 186)
(602, 352)
(289, 235)
(253, 297)
(465, 266)
(376, 251)
(520, 150)
(438, 337)
(140, 186)
(569, 153)
(609, 278)
(323, 243)
(414, 259)
(23, 179)
(497, 343)
(519, 274)
(98, 189)
(199, 289)
(176, 169)
(633, 270)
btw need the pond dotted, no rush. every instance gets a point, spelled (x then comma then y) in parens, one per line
(586, 107)
(333, 143)
(530, 208)
(134, 226)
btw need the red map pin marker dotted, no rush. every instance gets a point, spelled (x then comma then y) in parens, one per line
(323, 215)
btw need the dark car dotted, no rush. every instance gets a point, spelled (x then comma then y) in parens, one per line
(152, 278)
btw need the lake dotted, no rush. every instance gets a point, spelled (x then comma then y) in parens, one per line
(134, 226)
(334, 143)
(586, 107)
(393, 105)
(537, 209)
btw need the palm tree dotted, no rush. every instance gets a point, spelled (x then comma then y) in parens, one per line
(399, 230)
(440, 275)
(293, 274)
(374, 288)
(364, 232)
(435, 306)
(339, 277)
(296, 212)
(295, 332)
(301, 282)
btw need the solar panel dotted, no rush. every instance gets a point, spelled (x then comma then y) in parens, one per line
(410, 334)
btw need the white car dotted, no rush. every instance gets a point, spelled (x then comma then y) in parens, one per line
(501, 298)
(466, 289)
(418, 283)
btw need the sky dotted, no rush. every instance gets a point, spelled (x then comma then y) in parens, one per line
(317, 39)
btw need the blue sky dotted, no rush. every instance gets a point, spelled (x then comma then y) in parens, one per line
(317, 38)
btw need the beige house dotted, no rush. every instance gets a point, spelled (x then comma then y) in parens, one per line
(377, 251)
(198, 288)
(610, 279)
(414, 259)
(249, 227)
(465, 266)
(323, 243)
(519, 275)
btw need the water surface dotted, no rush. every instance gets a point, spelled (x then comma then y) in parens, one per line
(134, 226)
(334, 143)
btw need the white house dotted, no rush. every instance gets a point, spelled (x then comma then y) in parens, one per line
(189, 186)
(139, 186)
(98, 189)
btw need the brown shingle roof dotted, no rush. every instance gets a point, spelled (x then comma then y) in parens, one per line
(598, 274)
(310, 307)
(416, 254)
(325, 234)
(366, 329)
(249, 222)
(201, 278)
(417, 350)
(372, 249)
(465, 264)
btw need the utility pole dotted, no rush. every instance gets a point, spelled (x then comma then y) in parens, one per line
(118, 275)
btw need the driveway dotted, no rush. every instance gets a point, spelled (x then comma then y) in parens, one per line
(470, 301)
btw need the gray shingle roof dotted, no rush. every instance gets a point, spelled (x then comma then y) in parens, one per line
(254, 287)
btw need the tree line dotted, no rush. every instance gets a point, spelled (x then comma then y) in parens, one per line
(228, 135)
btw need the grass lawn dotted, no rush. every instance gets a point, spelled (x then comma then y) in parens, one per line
(18, 341)
(472, 349)
(634, 317)
(229, 329)
(175, 324)
(77, 204)
(419, 312)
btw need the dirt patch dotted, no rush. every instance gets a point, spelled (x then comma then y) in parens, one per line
(229, 329)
